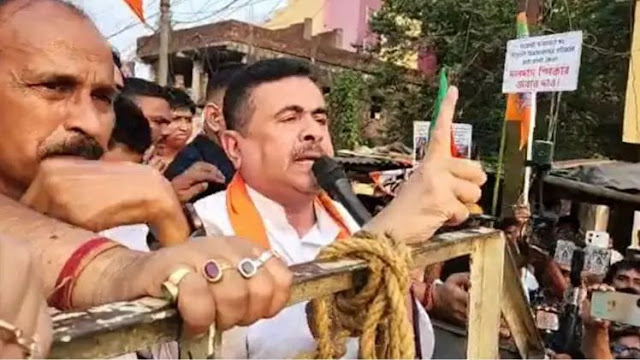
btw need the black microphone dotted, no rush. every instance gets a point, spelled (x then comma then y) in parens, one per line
(332, 179)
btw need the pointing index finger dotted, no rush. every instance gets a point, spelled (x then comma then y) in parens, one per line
(440, 143)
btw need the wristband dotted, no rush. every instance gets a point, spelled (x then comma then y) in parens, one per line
(73, 267)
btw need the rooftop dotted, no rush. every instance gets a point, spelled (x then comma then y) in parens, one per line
(294, 41)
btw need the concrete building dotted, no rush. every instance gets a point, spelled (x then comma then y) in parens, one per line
(351, 16)
(198, 52)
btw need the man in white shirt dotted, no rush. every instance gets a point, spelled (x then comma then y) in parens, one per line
(277, 127)
(56, 118)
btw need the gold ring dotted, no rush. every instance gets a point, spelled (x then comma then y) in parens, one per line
(170, 287)
(29, 345)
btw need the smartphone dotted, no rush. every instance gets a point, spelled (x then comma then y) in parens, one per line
(598, 239)
(616, 306)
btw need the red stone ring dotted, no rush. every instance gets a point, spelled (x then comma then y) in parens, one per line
(212, 270)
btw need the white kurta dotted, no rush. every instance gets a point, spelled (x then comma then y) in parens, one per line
(287, 335)
(132, 236)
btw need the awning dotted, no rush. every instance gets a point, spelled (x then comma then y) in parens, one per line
(611, 183)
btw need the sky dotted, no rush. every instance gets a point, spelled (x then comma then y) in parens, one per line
(121, 27)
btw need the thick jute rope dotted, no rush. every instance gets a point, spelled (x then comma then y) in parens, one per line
(377, 313)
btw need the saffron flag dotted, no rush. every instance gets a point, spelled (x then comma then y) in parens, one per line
(519, 105)
(136, 7)
(443, 88)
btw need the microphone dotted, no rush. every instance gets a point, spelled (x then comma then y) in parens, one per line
(332, 179)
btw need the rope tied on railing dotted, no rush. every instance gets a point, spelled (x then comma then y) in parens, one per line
(377, 313)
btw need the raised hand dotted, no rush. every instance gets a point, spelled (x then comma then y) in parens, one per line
(439, 189)
(585, 306)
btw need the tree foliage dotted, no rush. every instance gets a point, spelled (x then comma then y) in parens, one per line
(346, 109)
(469, 38)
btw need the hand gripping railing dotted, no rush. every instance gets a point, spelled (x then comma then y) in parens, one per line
(120, 328)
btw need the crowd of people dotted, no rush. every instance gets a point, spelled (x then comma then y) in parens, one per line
(549, 287)
(108, 194)
(102, 191)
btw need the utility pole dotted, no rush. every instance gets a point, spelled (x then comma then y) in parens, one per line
(165, 38)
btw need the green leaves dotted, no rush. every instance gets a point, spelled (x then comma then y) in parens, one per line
(470, 36)
(346, 102)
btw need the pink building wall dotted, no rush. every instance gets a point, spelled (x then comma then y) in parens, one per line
(352, 16)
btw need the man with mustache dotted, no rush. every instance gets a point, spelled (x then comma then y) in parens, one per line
(277, 125)
(625, 276)
(601, 339)
(56, 116)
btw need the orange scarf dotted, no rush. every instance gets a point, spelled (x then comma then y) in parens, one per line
(247, 223)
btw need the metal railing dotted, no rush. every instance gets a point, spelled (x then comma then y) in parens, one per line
(121, 328)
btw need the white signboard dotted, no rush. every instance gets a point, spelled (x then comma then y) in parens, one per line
(462, 135)
(543, 63)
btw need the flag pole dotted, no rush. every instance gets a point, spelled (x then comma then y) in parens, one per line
(527, 170)
(496, 185)
(518, 108)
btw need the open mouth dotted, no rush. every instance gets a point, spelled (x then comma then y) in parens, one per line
(308, 158)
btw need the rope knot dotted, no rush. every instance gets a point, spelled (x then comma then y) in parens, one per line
(377, 313)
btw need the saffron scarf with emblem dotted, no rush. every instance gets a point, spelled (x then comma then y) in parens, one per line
(247, 223)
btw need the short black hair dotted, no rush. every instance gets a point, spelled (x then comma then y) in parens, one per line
(139, 87)
(219, 81)
(131, 128)
(237, 105)
(623, 265)
(179, 99)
